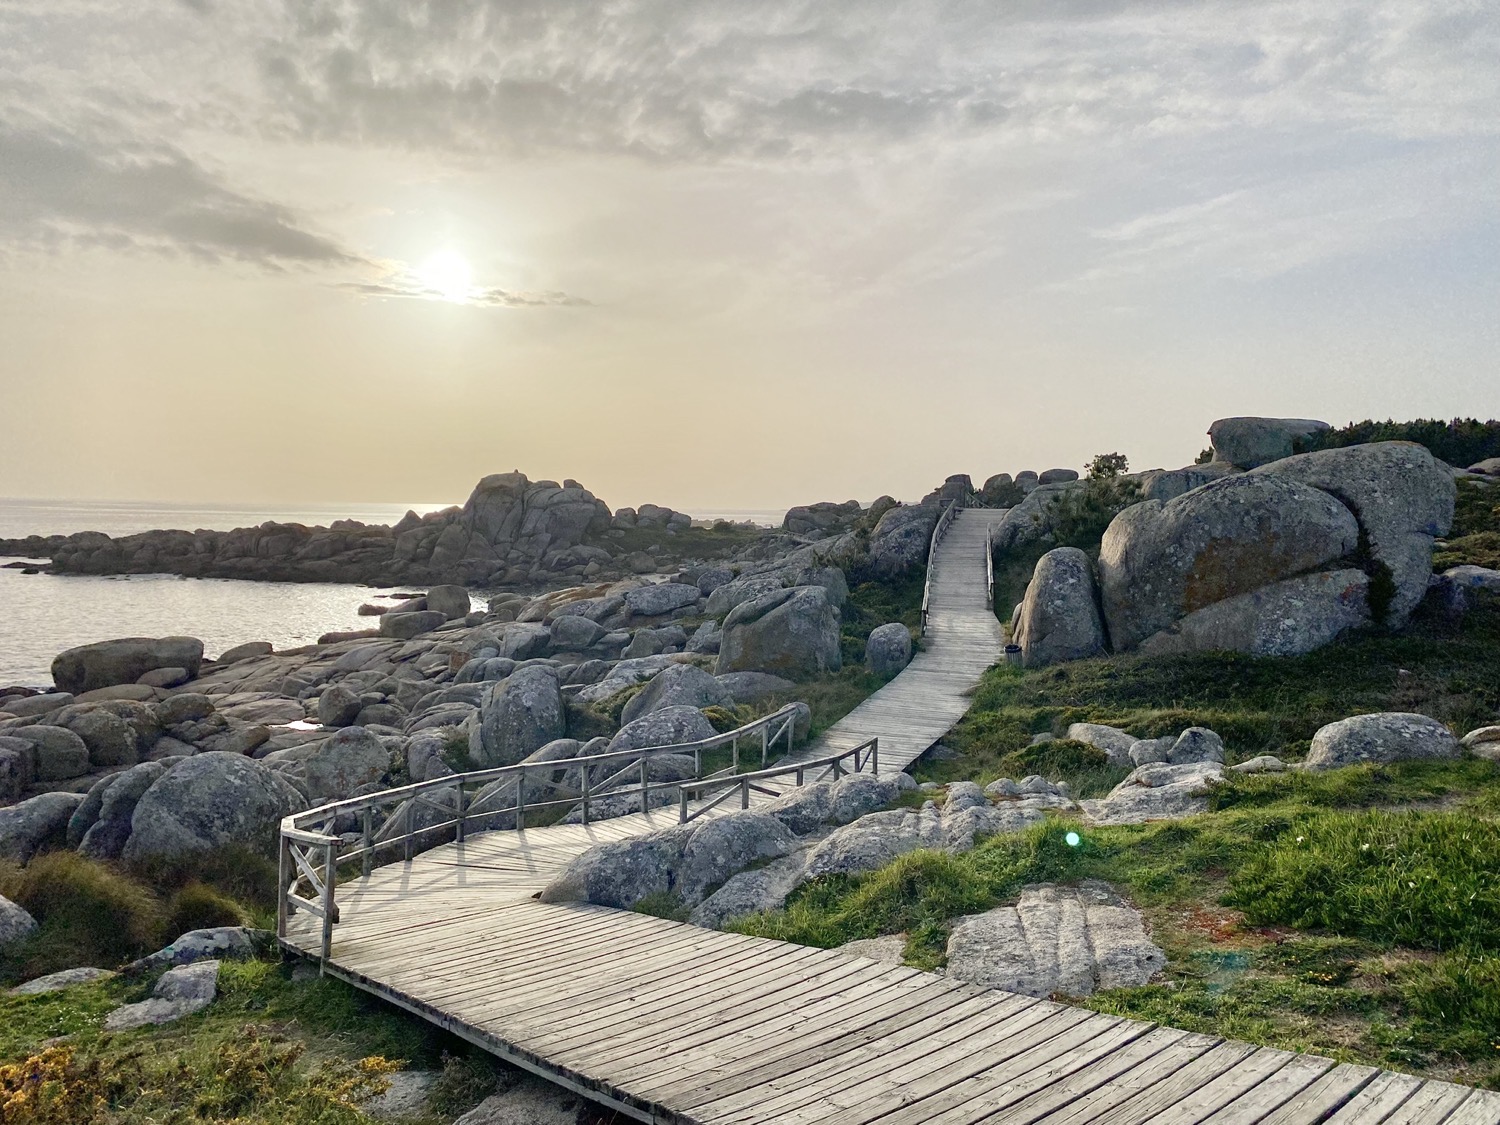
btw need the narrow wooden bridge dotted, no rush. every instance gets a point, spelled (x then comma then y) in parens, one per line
(667, 1022)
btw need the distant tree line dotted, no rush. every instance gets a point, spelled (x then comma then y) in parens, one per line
(1461, 442)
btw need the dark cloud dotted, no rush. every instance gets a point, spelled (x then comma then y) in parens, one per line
(58, 187)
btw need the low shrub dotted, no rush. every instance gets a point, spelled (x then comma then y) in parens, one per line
(88, 913)
(1424, 880)
(1461, 442)
(200, 907)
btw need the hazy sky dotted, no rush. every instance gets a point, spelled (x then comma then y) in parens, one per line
(725, 255)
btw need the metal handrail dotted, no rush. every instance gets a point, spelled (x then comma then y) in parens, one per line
(311, 853)
(937, 537)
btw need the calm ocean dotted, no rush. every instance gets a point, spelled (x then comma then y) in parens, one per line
(40, 615)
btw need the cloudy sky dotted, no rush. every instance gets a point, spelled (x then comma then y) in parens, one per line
(725, 255)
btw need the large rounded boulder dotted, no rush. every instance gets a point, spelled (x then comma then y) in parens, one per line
(1160, 562)
(1060, 617)
(793, 632)
(888, 649)
(207, 801)
(345, 763)
(124, 661)
(680, 685)
(900, 540)
(1388, 736)
(1250, 442)
(1403, 499)
(521, 714)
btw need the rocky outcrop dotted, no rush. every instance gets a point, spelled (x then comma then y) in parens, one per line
(1031, 520)
(1160, 562)
(1250, 442)
(124, 661)
(900, 541)
(821, 519)
(1056, 940)
(101, 826)
(793, 632)
(1403, 499)
(1060, 617)
(1156, 792)
(1381, 737)
(345, 764)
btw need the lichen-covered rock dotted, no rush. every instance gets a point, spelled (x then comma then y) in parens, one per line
(404, 626)
(17, 768)
(16, 924)
(667, 726)
(35, 824)
(1060, 617)
(216, 943)
(1382, 737)
(888, 650)
(792, 632)
(124, 661)
(681, 685)
(1283, 619)
(1161, 562)
(450, 600)
(180, 992)
(661, 599)
(56, 982)
(106, 833)
(207, 801)
(728, 595)
(57, 753)
(338, 706)
(1403, 498)
(900, 540)
(1065, 940)
(1156, 792)
(352, 759)
(1112, 740)
(752, 687)
(522, 713)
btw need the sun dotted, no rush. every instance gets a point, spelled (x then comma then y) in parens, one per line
(447, 274)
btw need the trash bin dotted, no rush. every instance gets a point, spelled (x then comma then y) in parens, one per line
(1013, 654)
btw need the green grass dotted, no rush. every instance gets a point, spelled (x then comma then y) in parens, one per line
(872, 604)
(105, 914)
(1258, 705)
(269, 1050)
(1308, 945)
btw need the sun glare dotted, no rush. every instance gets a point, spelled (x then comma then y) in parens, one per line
(448, 275)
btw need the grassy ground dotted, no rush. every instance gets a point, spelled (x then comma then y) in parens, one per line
(1355, 913)
(270, 1049)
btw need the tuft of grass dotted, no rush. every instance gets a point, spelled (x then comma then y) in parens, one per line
(875, 603)
(88, 913)
(1423, 880)
(200, 907)
(663, 904)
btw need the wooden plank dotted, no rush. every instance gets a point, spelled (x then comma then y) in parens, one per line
(1481, 1108)
(1327, 1094)
(1377, 1101)
(1254, 1069)
(1269, 1094)
(1098, 1104)
(1171, 1090)
(1431, 1104)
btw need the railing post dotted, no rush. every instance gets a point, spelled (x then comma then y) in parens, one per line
(585, 773)
(682, 798)
(697, 762)
(366, 840)
(409, 838)
(765, 743)
(283, 907)
(520, 800)
(736, 747)
(744, 794)
(645, 783)
(329, 874)
(459, 794)
(875, 755)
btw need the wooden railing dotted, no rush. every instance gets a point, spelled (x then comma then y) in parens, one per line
(943, 523)
(832, 767)
(989, 567)
(312, 850)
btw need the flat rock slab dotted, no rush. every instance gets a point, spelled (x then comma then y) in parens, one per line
(54, 982)
(1066, 941)
(529, 1102)
(179, 993)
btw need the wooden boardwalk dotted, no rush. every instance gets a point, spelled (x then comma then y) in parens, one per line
(668, 1022)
